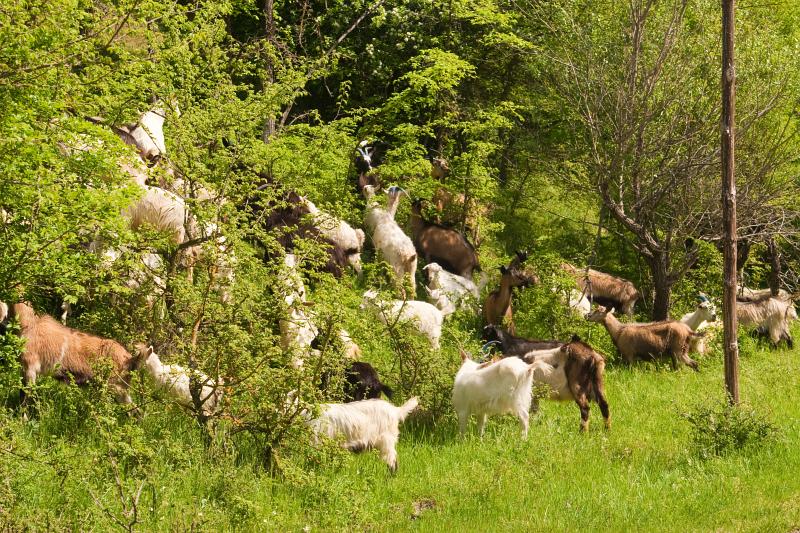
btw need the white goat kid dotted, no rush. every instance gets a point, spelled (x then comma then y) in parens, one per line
(389, 239)
(365, 425)
(498, 388)
(425, 317)
(175, 381)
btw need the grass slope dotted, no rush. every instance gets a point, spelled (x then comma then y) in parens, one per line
(643, 475)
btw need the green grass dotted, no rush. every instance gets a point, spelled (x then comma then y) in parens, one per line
(643, 475)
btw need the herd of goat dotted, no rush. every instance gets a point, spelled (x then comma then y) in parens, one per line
(570, 370)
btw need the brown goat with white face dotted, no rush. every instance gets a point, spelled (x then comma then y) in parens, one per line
(497, 307)
(605, 289)
(648, 340)
(65, 353)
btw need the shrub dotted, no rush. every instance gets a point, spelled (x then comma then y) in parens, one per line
(719, 428)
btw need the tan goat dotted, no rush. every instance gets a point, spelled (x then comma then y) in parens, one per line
(605, 289)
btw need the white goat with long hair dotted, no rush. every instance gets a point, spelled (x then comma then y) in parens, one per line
(771, 313)
(460, 291)
(492, 389)
(389, 239)
(175, 381)
(425, 317)
(365, 425)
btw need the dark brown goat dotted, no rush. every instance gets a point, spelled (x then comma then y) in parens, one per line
(584, 369)
(68, 354)
(497, 307)
(288, 218)
(446, 246)
(511, 345)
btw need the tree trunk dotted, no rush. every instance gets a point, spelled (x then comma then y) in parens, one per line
(662, 286)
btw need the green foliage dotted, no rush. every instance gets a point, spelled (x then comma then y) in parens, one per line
(721, 428)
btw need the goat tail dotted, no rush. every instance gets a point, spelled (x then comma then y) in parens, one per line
(404, 410)
(386, 390)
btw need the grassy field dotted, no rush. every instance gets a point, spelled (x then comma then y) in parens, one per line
(643, 475)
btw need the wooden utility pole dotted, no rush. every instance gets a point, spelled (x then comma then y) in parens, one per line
(730, 342)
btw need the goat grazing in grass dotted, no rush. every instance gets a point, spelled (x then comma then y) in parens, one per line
(574, 372)
(426, 318)
(176, 382)
(68, 354)
(442, 245)
(502, 387)
(605, 289)
(698, 320)
(771, 313)
(511, 345)
(392, 243)
(649, 340)
(365, 425)
(497, 307)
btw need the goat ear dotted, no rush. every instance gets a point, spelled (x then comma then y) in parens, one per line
(464, 355)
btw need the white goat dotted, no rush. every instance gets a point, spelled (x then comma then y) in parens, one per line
(365, 425)
(462, 292)
(163, 210)
(771, 313)
(440, 299)
(148, 134)
(394, 245)
(340, 232)
(297, 330)
(699, 320)
(425, 317)
(497, 388)
(175, 380)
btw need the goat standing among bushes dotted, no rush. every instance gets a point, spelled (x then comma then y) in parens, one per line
(503, 387)
(698, 320)
(365, 425)
(605, 289)
(497, 307)
(68, 354)
(442, 245)
(176, 381)
(425, 317)
(393, 244)
(649, 340)
(511, 345)
(458, 290)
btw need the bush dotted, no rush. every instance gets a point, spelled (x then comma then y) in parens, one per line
(719, 428)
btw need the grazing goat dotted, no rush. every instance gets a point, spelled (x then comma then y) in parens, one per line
(770, 313)
(297, 330)
(393, 244)
(698, 320)
(442, 245)
(511, 345)
(176, 381)
(425, 317)
(574, 372)
(340, 233)
(647, 341)
(492, 389)
(497, 307)
(605, 289)
(441, 300)
(365, 425)
(363, 383)
(459, 289)
(68, 354)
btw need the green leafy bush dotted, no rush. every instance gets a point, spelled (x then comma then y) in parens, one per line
(720, 428)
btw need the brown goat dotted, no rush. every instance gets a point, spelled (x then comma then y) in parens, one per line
(605, 289)
(497, 307)
(68, 354)
(648, 340)
(442, 245)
